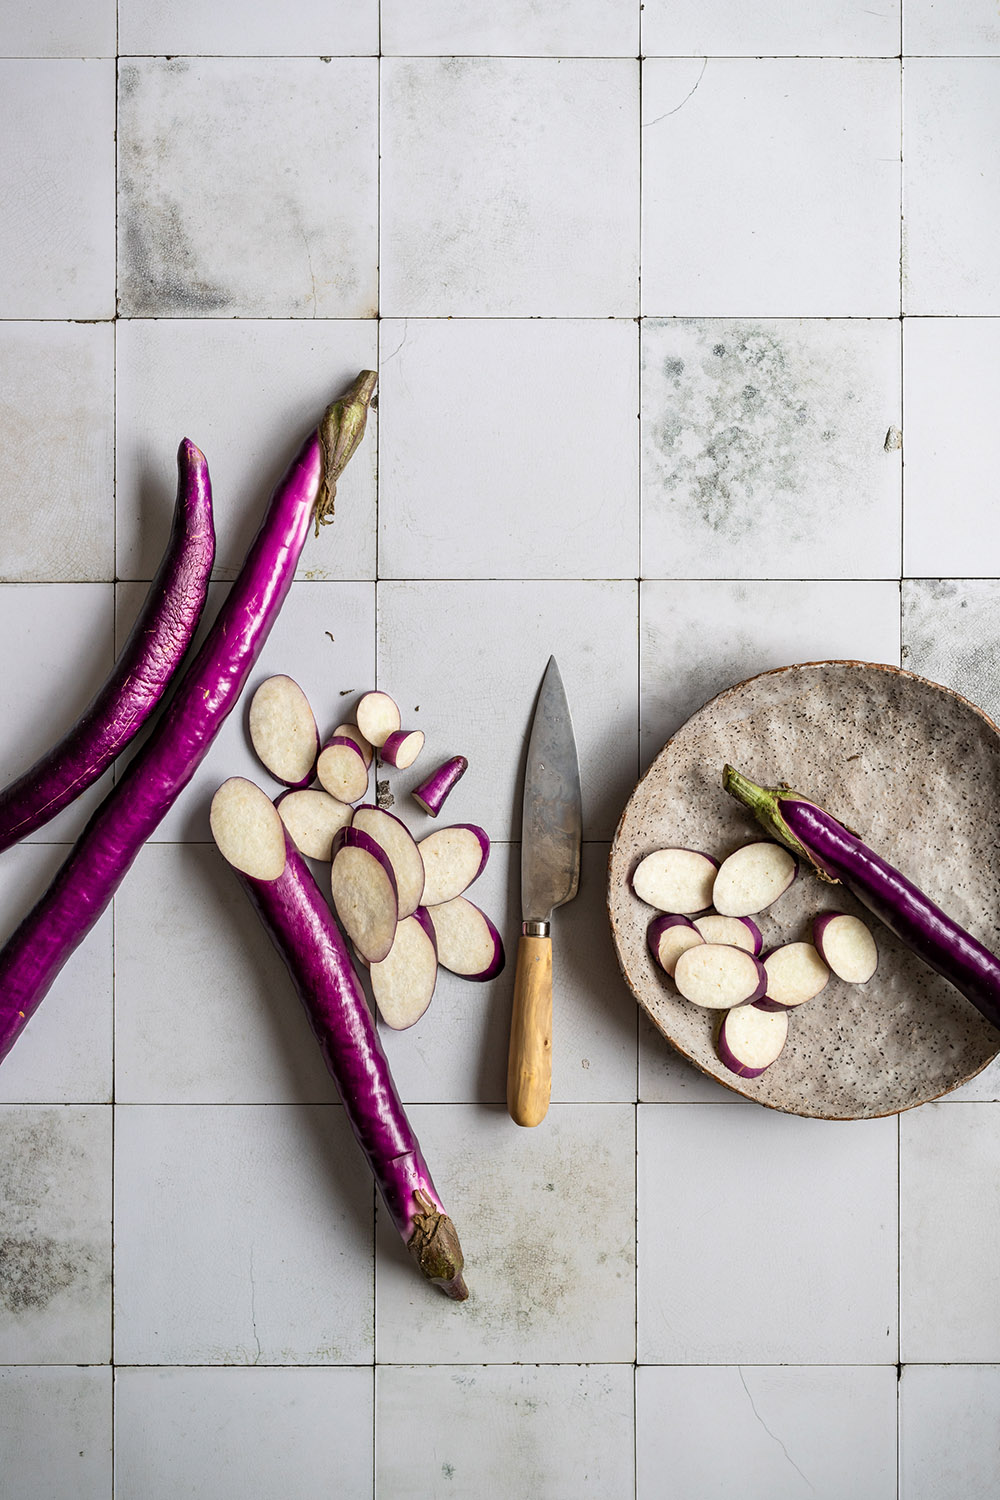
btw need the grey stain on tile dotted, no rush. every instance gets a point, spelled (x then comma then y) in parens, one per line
(951, 635)
(33, 1271)
(160, 273)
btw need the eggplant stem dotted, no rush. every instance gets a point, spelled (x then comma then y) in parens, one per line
(765, 804)
(435, 1247)
(340, 432)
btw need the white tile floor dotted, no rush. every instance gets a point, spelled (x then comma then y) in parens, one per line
(643, 379)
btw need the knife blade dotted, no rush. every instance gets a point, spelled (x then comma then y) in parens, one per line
(551, 826)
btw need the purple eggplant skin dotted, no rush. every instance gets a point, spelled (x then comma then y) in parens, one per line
(431, 793)
(205, 696)
(154, 650)
(302, 928)
(838, 855)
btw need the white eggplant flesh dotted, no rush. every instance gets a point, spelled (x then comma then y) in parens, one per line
(846, 946)
(393, 836)
(352, 732)
(402, 747)
(679, 881)
(453, 858)
(246, 827)
(467, 941)
(718, 977)
(669, 937)
(377, 717)
(403, 983)
(363, 888)
(751, 1039)
(736, 932)
(341, 769)
(313, 818)
(752, 879)
(283, 730)
(795, 973)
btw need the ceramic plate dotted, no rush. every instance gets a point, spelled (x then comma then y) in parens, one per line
(915, 770)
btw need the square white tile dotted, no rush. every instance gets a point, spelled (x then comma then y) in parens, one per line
(55, 1256)
(949, 1284)
(766, 1433)
(284, 154)
(947, 1432)
(509, 187)
(951, 186)
(951, 635)
(58, 28)
(770, 446)
(765, 1238)
(555, 1431)
(332, 673)
(507, 449)
(242, 1434)
(963, 28)
(63, 1056)
(192, 959)
(57, 164)
(562, 28)
(771, 28)
(471, 656)
(273, 1207)
(57, 410)
(952, 387)
(340, 28)
(457, 1051)
(546, 1218)
(55, 1431)
(64, 639)
(984, 1087)
(666, 1077)
(698, 638)
(802, 218)
(278, 378)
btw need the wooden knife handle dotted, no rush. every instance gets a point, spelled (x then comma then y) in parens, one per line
(529, 1066)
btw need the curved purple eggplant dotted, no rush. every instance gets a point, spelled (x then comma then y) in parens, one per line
(302, 928)
(838, 855)
(154, 650)
(205, 696)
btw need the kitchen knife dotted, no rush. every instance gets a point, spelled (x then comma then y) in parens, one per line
(550, 874)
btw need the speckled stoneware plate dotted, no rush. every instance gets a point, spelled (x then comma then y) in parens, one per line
(914, 769)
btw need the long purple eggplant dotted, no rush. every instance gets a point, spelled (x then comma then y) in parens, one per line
(205, 696)
(838, 855)
(154, 650)
(301, 926)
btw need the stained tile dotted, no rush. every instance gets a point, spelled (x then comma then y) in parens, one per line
(962, 28)
(800, 153)
(698, 638)
(476, 480)
(279, 378)
(950, 635)
(770, 447)
(272, 1205)
(566, 28)
(55, 1431)
(55, 1254)
(63, 1056)
(284, 144)
(457, 1051)
(332, 673)
(491, 168)
(951, 186)
(497, 1430)
(789, 1433)
(59, 28)
(824, 28)
(340, 28)
(57, 164)
(949, 1282)
(737, 1197)
(470, 657)
(243, 1434)
(947, 1432)
(546, 1221)
(59, 635)
(952, 446)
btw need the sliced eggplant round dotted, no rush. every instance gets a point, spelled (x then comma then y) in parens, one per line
(845, 944)
(795, 973)
(752, 879)
(717, 977)
(676, 880)
(750, 1039)
(669, 936)
(737, 932)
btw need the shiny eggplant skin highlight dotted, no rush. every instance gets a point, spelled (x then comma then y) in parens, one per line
(838, 855)
(302, 928)
(205, 696)
(154, 650)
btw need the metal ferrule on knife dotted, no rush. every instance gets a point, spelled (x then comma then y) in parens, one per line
(535, 929)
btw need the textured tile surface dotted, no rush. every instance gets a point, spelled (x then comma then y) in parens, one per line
(824, 28)
(55, 1430)
(947, 1432)
(338, 27)
(571, 28)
